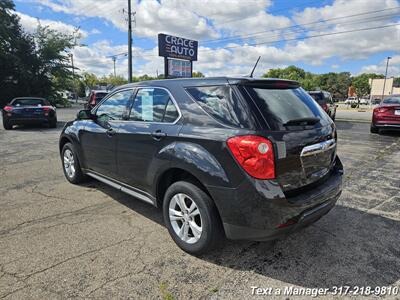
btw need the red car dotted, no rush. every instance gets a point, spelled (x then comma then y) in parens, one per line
(386, 115)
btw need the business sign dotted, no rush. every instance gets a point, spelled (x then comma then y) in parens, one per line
(179, 68)
(177, 47)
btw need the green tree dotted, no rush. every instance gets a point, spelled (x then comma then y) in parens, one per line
(361, 83)
(197, 74)
(89, 79)
(32, 65)
(17, 60)
(291, 72)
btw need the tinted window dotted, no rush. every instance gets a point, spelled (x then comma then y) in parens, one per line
(153, 105)
(392, 100)
(319, 97)
(115, 107)
(282, 105)
(100, 96)
(30, 102)
(171, 113)
(222, 104)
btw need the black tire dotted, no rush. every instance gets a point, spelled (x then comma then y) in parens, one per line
(78, 175)
(7, 125)
(373, 129)
(212, 232)
(53, 123)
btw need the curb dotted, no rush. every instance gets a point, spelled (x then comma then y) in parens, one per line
(352, 120)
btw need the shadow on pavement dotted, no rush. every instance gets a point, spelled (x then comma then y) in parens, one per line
(345, 247)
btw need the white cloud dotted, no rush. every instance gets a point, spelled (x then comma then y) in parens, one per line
(211, 19)
(30, 24)
(393, 69)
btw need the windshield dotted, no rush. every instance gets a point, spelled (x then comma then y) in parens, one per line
(29, 102)
(392, 100)
(279, 106)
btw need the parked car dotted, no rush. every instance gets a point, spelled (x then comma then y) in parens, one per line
(386, 115)
(237, 157)
(29, 110)
(351, 100)
(95, 97)
(364, 101)
(324, 99)
(376, 101)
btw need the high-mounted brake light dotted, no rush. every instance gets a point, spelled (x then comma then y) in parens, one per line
(7, 108)
(255, 154)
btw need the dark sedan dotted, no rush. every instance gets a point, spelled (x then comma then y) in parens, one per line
(386, 115)
(324, 99)
(29, 110)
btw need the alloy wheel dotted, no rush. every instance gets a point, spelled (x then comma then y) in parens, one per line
(69, 163)
(185, 218)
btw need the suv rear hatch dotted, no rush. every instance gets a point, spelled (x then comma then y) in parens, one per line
(303, 135)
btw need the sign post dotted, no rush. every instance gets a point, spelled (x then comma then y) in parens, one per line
(179, 54)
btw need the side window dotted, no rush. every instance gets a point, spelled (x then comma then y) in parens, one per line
(115, 107)
(222, 104)
(153, 105)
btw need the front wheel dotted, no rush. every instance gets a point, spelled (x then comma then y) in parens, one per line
(191, 218)
(71, 167)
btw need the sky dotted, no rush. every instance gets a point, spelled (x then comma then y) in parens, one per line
(319, 36)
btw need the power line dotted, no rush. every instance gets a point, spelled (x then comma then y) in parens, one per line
(291, 39)
(268, 12)
(307, 37)
(303, 30)
(300, 30)
(298, 25)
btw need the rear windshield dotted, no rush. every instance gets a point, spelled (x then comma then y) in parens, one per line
(280, 106)
(100, 96)
(392, 100)
(319, 97)
(29, 102)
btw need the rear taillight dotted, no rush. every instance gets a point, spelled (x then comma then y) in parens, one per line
(255, 154)
(381, 109)
(325, 107)
(46, 110)
(7, 108)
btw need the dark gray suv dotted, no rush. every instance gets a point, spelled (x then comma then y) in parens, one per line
(237, 157)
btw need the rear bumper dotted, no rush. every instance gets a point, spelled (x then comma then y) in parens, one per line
(259, 210)
(17, 121)
(389, 126)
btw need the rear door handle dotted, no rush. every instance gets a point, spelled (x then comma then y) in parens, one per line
(110, 132)
(158, 135)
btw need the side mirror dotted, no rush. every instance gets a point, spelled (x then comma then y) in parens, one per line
(84, 114)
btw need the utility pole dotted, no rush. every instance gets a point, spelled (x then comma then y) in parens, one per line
(130, 41)
(384, 81)
(114, 58)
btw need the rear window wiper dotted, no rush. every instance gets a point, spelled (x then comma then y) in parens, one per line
(302, 121)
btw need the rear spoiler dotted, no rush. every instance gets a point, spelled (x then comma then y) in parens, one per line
(269, 83)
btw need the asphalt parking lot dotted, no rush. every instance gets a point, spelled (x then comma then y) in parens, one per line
(59, 240)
